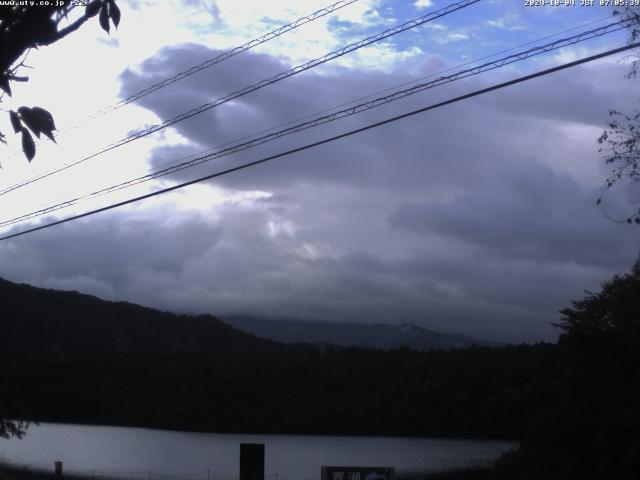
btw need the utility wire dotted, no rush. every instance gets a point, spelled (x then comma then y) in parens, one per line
(395, 96)
(379, 92)
(226, 55)
(389, 89)
(263, 83)
(377, 102)
(210, 62)
(331, 139)
(350, 102)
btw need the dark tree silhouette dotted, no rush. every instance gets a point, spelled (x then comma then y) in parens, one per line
(590, 431)
(621, 139)
(10, 428)
(23, 27)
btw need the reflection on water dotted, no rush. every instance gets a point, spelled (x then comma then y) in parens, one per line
(138, 451)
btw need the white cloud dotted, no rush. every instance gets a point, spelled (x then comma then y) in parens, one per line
(450, 37)
(423, 3)
(381, 56)
(509, 21)
(436, 26)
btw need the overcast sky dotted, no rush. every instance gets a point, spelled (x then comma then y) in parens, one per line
(478, 218)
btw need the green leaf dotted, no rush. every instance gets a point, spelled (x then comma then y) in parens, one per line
(114, 12)
(104, 18)
(28, 145)
(92, 9)
(15, 121)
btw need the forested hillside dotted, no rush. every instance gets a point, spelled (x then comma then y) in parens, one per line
(72, 357)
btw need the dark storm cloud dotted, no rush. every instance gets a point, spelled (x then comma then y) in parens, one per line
(290, 99)
(379, 157)
(108, 250)
(557, 96)
(478, 217)
(536, 215)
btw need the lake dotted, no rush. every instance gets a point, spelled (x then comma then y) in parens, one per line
(148, 454)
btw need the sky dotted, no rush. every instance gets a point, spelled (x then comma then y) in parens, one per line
(479, 217)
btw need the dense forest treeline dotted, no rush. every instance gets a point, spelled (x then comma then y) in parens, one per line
(76, 358)
(294, 390)
(574, 406)
(590, 430)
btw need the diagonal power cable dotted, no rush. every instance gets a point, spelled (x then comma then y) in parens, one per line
(219, 58)
(257, 86)
(227, 55)
(211, 62)
(330, 139)
(359, 108)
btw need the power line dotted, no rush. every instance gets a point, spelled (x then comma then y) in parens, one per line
(329, 118)
(379, 92)
(331, 139)
(471, 62)
(231, 53)
(263, 83)
(397, 95)
(210, 62)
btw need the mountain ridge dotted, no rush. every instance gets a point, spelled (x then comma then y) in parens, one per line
(353, 334)
(52, 323)
(57, 320)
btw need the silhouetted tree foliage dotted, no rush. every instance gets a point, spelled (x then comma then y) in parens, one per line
(23, 27)
(10, 403)
(10, 428)
(592, 432)
(621, 139)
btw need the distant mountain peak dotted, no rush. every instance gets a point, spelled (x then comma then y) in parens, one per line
(370, 335)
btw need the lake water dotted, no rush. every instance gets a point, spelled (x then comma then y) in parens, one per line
(147, 454)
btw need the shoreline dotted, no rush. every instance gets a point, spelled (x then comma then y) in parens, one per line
(9, 472)
(440, 436)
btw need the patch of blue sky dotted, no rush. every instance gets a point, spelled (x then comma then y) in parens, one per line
(480, 29)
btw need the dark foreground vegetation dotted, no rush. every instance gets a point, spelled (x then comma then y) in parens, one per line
(574, 406)
(10, 472)
(590, 431)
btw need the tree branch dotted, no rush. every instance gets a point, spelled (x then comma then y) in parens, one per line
(59, 35)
